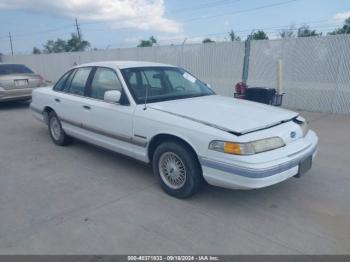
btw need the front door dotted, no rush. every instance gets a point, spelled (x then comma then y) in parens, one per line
(109, 124)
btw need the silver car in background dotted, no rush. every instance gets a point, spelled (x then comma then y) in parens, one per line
(17, 82)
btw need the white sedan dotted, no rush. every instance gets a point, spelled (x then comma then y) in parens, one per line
(163, 115)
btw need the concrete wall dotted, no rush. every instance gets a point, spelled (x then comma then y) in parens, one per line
(316, 70)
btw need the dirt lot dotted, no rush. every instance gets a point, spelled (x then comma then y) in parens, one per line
(82, 199)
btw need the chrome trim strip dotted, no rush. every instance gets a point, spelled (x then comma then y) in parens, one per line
(139, 136)
(255, 173)
(98, 131)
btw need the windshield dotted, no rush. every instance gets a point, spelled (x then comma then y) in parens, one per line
(14, 69)
(162, 84)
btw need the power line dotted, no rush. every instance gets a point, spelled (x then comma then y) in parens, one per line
(206, 5)
(193, 19)
(266, 29)
(242, 11)
(286, 27)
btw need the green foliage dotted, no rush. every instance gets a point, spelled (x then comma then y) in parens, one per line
(147, 43)
(36, 50)
(343, 30)
(207, 40)
(287, 33)
(233, 36)
(305, 31)
(259, 35)
(75, 44)
(58, 46)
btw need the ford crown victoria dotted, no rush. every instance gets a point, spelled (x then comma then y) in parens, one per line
(163, 115)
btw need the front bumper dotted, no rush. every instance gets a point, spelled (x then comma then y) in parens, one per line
(15, 94)
(231, 175)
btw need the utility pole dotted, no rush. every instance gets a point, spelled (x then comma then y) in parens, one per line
(11, 42)
(78, 29)
(247, 45)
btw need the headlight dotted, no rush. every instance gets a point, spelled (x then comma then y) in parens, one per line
(303, 124)
(249, 148)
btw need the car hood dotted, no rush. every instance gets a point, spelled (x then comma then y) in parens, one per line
(233, 115)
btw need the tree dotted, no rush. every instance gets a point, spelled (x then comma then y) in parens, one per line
(259, 35)
(71, 45)
(207, 40)
(305, 31)
(233, 36)
(36, 50)
(343, 30)
(57, 46)
(287, 33)
(147, 43)
(76, 44)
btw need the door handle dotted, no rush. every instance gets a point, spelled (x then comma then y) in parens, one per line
(87, 107)
(57, 100)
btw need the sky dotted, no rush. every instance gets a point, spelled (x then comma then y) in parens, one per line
(109, 24)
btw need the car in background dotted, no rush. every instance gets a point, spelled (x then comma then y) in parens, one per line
(163, 115)
(17, 82)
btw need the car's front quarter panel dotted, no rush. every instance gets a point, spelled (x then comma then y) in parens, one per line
(253, 171)
(150, 122)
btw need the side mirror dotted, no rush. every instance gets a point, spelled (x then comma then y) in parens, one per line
(112, 96)
(208, 85)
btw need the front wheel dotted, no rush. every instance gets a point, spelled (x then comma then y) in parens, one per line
(56, 131)
(177, 169)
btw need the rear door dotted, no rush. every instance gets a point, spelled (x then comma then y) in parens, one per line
(70, 99)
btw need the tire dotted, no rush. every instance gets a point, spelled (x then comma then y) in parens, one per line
(177, 169)
(56, 131)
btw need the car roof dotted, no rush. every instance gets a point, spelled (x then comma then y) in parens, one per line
(124, 64)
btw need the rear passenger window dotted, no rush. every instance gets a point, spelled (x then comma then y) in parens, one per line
(59, 86)
(104, 80)
(79, 81)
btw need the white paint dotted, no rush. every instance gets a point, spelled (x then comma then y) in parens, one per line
(183, 118)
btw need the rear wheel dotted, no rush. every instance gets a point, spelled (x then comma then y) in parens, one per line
(56, 131)
(177, 169)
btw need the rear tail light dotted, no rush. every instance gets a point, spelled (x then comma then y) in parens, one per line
(42, 80)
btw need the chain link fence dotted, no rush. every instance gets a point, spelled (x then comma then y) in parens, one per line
(316, 70)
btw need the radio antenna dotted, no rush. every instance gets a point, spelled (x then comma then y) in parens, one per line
(146, 96)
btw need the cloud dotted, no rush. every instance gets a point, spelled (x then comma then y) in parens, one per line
(139, 14)
(341, 16)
